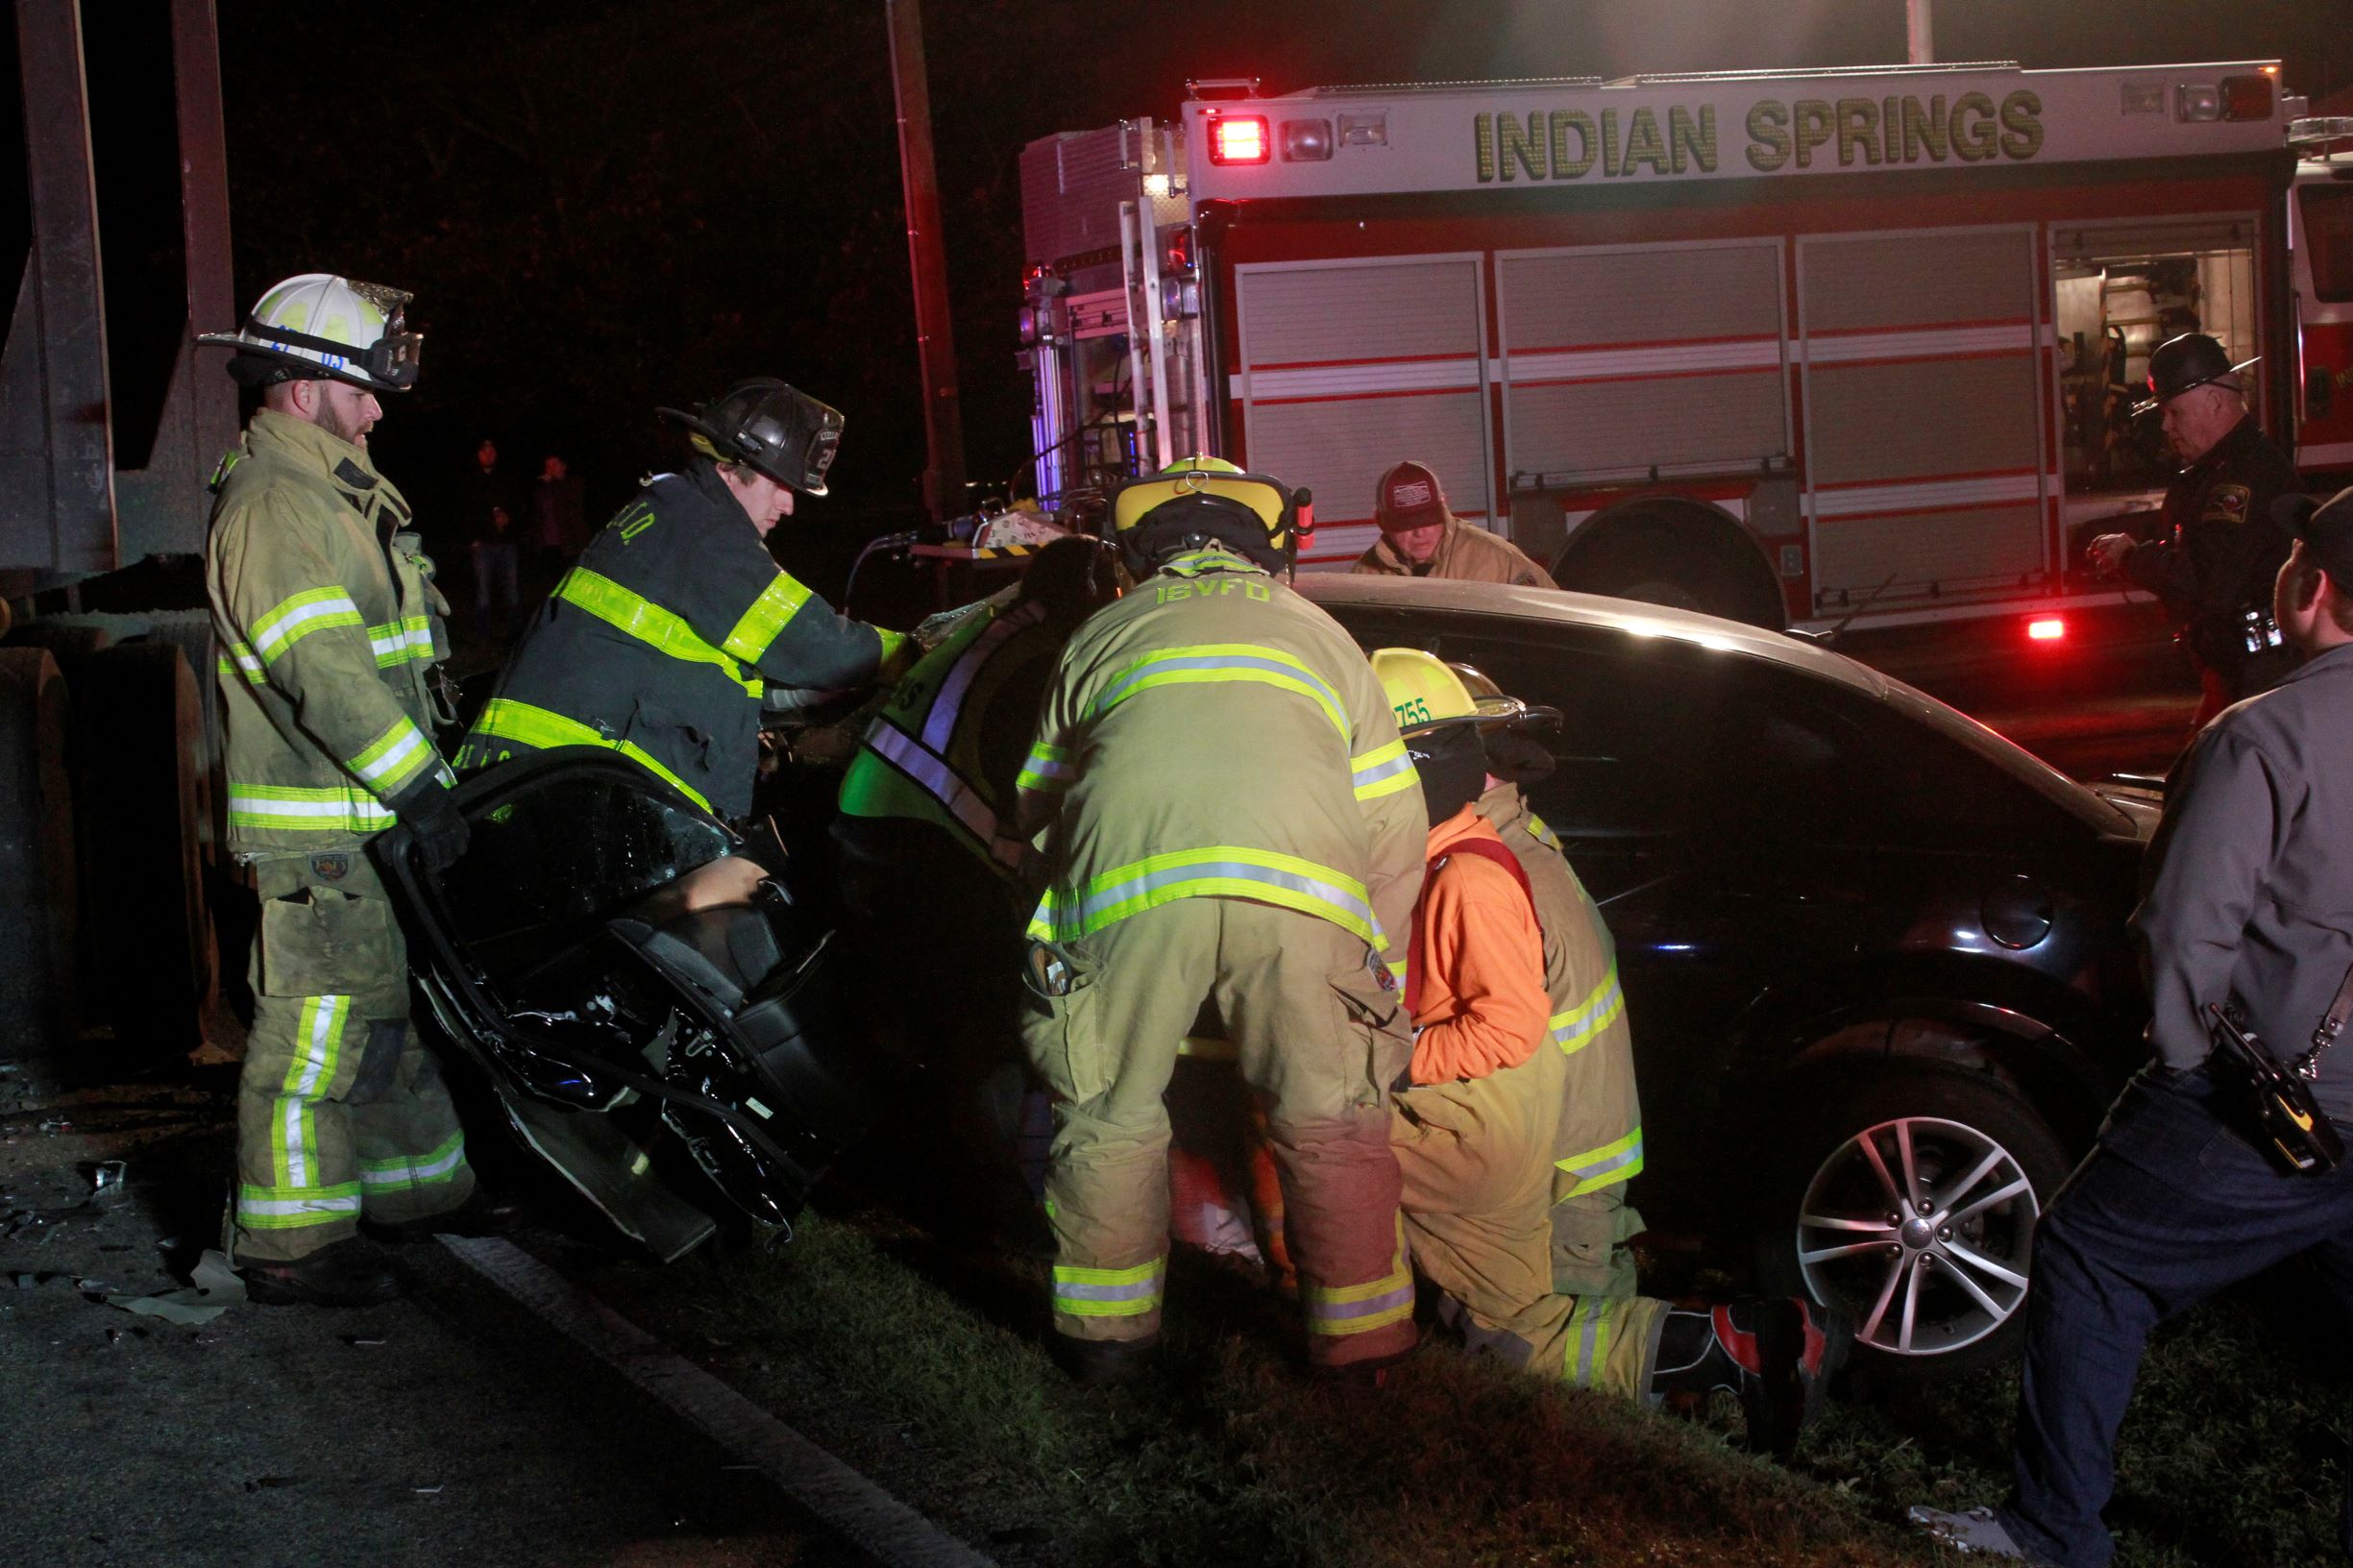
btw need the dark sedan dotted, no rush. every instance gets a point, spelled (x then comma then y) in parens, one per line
(1875, 955)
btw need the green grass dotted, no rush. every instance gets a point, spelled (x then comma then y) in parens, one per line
(925, 1371)
(928, 1375)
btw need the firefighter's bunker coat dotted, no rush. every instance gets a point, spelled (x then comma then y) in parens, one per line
(661, 642)
(1598, 1147)
(1236, 825)
(327, 626)
(1474, 1135)
(1466, 552)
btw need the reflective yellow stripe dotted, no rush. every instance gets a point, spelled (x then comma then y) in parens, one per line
(1384, 770)
(527, 726)
(1222, 871)
(1585, 1350)
(1604, 1166)
(336, 808)
(401, 641)
(649, 624)
(1048, 769)
(237, 660)
(761, 625)
(1216, 662)
(1109, 1293)
(297, 617)
(1580, 1025)
(394, 757)
(1360, 1308)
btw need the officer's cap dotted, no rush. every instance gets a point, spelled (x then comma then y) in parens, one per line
(2179, 363)
(2326, 528)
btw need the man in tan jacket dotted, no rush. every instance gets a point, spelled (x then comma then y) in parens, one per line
(1420, 538)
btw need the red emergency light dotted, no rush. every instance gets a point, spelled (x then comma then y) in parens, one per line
(1239, 138)
(2047, 628)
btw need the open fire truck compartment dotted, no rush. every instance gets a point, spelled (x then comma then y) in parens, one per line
(1795, 347)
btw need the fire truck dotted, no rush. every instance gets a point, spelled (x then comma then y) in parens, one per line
(1807, 348)
(2321, 230)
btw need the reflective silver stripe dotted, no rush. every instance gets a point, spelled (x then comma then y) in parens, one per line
(1402, 1296)
(940, 725)
(326, 1021)
(442, 1162)
(936, 776)
(320, 1205)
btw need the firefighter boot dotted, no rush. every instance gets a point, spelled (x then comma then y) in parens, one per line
(1778, 1355)
(1102, 1363)
(346, 1273)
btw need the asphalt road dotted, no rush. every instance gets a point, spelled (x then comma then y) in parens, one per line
(451, 1427)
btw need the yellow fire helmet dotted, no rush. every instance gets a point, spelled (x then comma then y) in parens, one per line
(1423, 692)
(1196, 500)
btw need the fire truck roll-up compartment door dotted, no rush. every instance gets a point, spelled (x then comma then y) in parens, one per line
(1347, 367)
(1923, 438)
(1617, 360)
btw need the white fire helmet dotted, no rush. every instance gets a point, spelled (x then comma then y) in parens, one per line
(317, 325)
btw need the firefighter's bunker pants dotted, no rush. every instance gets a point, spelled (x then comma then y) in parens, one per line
(1478, 1203)
(1596, 1151)
(1314, 1033)
(341, 1109)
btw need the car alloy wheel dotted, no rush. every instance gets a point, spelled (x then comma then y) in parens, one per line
(1921, 1227)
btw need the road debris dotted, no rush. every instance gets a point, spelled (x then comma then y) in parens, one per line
(212, 1289)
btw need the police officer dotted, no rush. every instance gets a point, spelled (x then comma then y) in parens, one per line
(329, 627)
(662, 642)
(1235, 826)
(2249, 899)
(2220, 547)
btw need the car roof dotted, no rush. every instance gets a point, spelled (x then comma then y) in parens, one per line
(1564, 609)
(1559, 608)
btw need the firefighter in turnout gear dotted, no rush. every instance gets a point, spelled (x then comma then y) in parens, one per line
(664, 639)
(2219, 548)
(1420, 538)
(926, 842)
(1475, 1130)
(1598, 1148)
(329, 626)
(1234, 830)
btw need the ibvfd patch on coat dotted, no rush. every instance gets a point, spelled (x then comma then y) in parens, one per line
(331, 867)
(2228, 504)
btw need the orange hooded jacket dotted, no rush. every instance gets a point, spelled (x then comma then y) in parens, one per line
(1482, 1005)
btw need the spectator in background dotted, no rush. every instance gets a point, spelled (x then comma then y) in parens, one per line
(492, 508)
(559, 522)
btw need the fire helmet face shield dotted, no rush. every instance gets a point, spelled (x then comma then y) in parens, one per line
(770, 429)
(1196, 501)
(319, 327)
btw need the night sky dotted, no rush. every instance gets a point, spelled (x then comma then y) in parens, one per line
(604, 206)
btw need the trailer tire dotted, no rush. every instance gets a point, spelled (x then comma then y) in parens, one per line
(1676, 551)
(38, 885)
(144, 795)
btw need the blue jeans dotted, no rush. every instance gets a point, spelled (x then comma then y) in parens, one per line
(2169, 1208)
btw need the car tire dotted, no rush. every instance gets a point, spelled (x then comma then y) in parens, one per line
(1957, 1270)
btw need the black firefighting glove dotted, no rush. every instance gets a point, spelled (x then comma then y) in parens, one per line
(433, 822)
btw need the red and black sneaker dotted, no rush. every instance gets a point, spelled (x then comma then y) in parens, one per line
(1777, 1354)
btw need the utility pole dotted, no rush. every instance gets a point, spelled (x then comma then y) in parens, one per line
(1918, 30)
(926, 257)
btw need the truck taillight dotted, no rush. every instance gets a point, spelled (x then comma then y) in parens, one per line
(1239, 138)
(2047, 628)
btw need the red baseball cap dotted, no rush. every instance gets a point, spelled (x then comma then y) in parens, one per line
(1409, 497)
